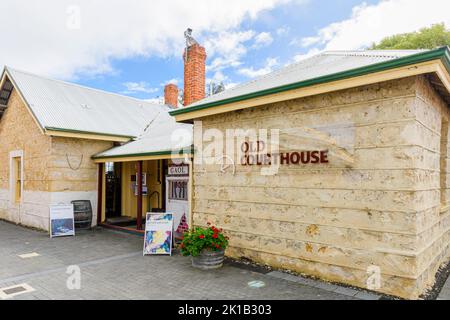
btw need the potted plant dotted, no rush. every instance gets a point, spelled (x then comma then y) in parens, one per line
(206, 246)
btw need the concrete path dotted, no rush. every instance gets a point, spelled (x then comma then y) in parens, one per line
(445, 292)
(112, 267)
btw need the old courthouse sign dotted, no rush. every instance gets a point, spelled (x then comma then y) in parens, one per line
(254, 155)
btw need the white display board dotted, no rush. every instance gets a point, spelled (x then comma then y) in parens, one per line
(62, 221)
(158, 234)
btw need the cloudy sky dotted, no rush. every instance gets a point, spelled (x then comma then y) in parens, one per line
(134, 47)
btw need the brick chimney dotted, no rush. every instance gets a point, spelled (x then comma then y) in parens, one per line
(171, 95)
(194, 73)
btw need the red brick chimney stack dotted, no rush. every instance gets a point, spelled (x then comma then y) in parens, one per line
(194, 73)
(171, 95)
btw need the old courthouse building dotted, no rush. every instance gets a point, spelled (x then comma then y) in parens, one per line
(61, 142)
(379, 200)
(361, 182)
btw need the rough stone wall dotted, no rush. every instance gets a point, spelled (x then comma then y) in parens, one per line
(369, 206)
(18, 131)
(72, 172)
(433, 230)
(55, 170)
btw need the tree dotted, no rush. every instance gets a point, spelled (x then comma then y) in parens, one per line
(427, 38)
(214, 88)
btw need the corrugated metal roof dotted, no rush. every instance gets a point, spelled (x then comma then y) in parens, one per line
(323, 64)
(68, 106)
(163, 134)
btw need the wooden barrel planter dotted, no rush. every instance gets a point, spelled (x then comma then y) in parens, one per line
(209, 260)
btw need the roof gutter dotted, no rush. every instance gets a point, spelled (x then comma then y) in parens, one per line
(87, 134)
(442, 53)
(173, 153)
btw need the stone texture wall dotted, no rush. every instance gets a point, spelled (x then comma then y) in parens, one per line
(72, 172)
(55, 170)
(18, 131)
(376, 203)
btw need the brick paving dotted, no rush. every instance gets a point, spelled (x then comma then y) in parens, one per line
(445, 291)
(112, 267)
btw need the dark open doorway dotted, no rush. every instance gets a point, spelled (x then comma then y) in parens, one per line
(113, 190)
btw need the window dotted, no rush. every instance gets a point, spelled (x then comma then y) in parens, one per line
(178, 190)
(16, 176)
(444, 162)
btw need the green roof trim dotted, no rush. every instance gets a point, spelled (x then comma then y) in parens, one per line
(145, 154)
(442, 53)
(89, 132)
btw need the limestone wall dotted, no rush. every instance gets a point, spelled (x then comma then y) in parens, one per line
(432, 115)
(375, 203)
(19, 132)
(72, 172)
(55, 170)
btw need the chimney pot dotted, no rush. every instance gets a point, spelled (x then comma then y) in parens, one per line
(171, 95)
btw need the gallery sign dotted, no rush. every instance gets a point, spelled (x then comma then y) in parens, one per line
(62, 222)
(254, 155)
(158, 234)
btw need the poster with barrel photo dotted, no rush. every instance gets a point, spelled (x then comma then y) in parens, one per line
(62, 222)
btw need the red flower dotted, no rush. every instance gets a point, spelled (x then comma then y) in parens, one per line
(182, 245)
(215, 235)
(217, 246)
(201, 236)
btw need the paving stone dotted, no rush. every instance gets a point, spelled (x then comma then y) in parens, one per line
(367, 296)
(112, 267)
(346, 291)
(326, 286)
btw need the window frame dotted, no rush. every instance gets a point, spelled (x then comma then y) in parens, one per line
(16, 176)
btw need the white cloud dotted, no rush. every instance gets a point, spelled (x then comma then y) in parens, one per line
(263, 39)
(66, 38)
(135, 87)
(371, 23)
(282, 31)
(228, 47)
(252, 73)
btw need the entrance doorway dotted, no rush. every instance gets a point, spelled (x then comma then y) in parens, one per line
(113, 195)
(165, 188)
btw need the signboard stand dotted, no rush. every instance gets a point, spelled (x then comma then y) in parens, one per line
(158, 236)
(62, 221)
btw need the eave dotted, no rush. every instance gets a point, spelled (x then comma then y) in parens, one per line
(159, 155)
(67, 133)
(435, 61)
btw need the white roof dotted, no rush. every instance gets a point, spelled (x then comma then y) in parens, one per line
(67, 106)
(323, 64)
(163, 135)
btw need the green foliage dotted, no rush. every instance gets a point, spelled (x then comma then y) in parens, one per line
(427, 38)
(209, 238)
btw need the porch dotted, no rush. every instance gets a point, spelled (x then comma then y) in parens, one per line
(131, 187)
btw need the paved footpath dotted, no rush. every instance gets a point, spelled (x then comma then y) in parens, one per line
(112, 267)
(445, 291)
